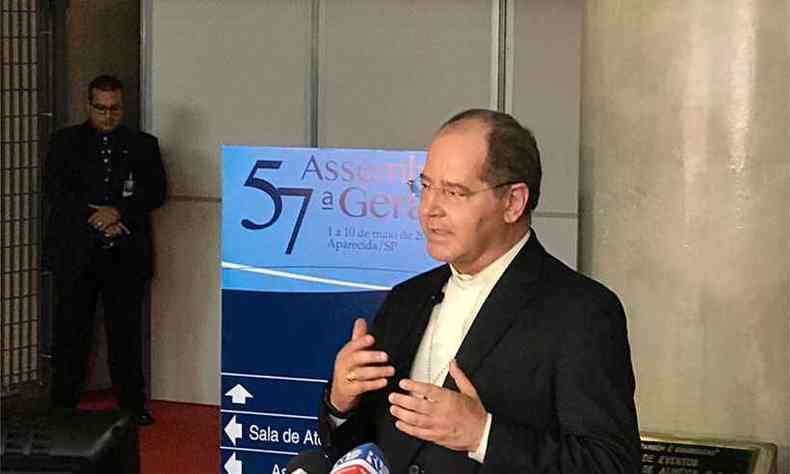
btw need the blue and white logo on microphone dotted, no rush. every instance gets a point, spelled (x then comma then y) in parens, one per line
(364, 459)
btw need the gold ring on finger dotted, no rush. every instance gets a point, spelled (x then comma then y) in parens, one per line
(350, 376)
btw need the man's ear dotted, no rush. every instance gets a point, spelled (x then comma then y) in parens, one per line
(517, 201)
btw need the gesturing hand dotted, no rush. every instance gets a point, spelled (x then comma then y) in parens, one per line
(455, 420)
(358, 369)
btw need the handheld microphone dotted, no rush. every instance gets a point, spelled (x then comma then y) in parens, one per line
(309, 462)
(364, 459)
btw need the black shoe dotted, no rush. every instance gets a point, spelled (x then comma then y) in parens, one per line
(144, 418)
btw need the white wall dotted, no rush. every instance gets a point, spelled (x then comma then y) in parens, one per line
(685, 196)
(547, 38)
(232, 72)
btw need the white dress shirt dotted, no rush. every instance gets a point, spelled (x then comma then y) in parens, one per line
(451, 320)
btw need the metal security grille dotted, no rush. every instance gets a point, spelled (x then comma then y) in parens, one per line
(25, 28)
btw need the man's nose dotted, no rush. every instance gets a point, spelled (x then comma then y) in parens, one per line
(431, 204)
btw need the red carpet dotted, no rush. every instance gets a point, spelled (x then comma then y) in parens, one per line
(184, 439)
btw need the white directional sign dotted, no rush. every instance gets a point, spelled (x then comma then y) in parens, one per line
(238, 394)
(233, 430)
(233, 466)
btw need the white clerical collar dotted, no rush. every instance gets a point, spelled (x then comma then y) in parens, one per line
(493, 271)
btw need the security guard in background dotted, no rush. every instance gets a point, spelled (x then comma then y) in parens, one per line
(101, 180)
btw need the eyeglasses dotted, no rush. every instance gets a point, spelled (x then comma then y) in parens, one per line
(418, 187)
(103, 109)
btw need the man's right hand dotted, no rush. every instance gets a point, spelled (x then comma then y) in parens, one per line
(358, 369)
(115, 230)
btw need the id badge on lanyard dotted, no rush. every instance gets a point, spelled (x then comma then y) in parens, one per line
(128, 186)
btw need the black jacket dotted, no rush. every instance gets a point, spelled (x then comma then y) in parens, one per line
(71, 162)
(548, 354)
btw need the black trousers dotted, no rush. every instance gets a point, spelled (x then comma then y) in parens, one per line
(121, 293)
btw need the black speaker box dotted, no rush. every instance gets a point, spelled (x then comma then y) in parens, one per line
(70, 443)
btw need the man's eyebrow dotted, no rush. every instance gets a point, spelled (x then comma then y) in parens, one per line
(445, 183)
(455, 185)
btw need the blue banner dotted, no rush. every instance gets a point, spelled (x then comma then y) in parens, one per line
(313, 220)
(311, 240)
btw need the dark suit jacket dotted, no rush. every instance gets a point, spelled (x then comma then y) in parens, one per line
(68, 237)
(548, 354)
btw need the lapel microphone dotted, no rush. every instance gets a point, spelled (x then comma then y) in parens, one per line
(437, 298)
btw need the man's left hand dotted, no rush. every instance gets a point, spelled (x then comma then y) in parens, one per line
(103, 217)
(455, 420)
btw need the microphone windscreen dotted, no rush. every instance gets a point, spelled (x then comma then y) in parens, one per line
(309, 462)
(364, 459)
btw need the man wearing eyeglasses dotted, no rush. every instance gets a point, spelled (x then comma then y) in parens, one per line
(503, 360)
(101, 180)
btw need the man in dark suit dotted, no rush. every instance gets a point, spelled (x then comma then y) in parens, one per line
(102, 180)
(505, 360)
